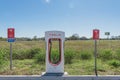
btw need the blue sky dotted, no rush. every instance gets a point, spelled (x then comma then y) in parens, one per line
(34, 17)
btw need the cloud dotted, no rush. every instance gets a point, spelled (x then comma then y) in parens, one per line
(47, 1)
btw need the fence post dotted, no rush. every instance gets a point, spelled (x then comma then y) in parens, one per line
(10, 56)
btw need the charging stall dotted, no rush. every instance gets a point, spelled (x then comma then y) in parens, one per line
(55, 61)
(54, 51)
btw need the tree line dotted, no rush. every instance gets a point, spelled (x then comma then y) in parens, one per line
(73, 37)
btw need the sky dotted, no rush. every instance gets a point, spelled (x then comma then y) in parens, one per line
(34, 17)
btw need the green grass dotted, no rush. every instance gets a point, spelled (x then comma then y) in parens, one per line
(79, 57)
(24, 67)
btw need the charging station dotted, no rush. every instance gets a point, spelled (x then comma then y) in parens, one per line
(54, 51)
(55, 61)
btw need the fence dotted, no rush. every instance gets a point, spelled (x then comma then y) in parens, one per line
(29, 57)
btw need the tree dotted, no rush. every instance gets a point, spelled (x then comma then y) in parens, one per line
(83, 38)
(119, 37)
(74, 37)
(24, 39)
(3, 39)
(35, 38)
(42, 38)
(113, 37)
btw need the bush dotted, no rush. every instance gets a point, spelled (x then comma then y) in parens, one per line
(40, 58)
(85, 55)
(33, 52)
(3, 57)
(114, 63)
(106, 55)
(69, 55)
(117, 55)
(26, 54)
(21, 54)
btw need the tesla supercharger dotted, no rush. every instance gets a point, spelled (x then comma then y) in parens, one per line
(54, 51)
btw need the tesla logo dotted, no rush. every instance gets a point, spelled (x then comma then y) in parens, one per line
(54, 34)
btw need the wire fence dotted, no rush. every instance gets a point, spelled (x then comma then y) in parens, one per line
(28, 57)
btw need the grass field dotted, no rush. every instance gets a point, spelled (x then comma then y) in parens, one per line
(80, 53)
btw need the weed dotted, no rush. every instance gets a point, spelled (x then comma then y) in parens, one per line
(75, 57)
(3, 57)
(106, 55)
(69, 55)
(117, 55)
(55, 56)
(26, 54)
(33, 52)
(85, 55)
(114, 63)
(40, 58)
